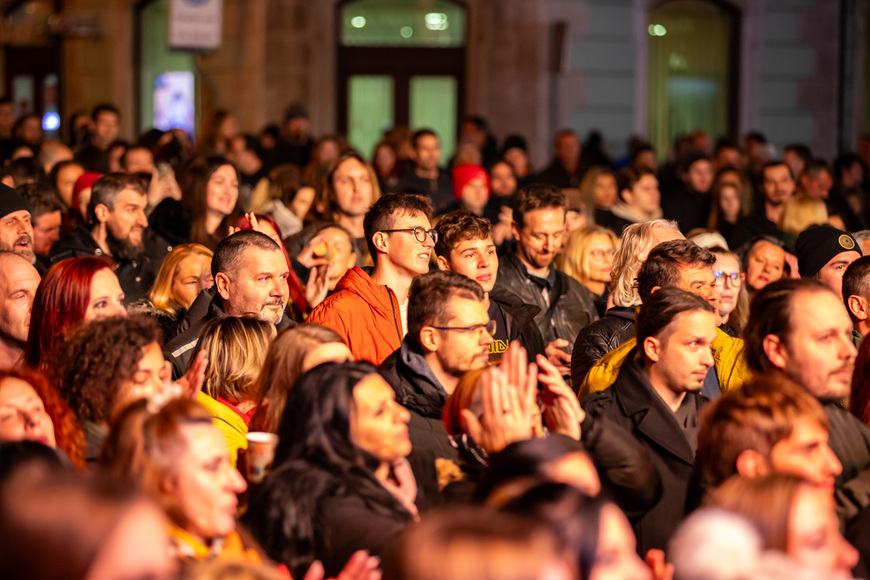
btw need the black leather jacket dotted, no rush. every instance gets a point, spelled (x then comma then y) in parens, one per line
(574, 307)
(599, 338)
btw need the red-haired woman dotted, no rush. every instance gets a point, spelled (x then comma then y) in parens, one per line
(71, 291)
(31, 409)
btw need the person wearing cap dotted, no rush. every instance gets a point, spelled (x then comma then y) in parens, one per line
(689, 202)
(16, 231)
(471, 188)
(824, 253)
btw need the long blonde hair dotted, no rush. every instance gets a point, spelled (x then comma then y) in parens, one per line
(574, 259)
(161, 295)
(801, 212)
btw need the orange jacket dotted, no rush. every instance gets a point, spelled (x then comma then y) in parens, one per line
(366, 315)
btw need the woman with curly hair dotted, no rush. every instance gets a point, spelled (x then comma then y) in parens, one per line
(31, 409)
(72, 291)
(104, 366)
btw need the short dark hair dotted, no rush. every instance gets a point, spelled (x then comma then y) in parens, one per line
(107, 188)
(131, 148)
(628, 177)
(459, 226)
(725, 142)
(770, 314)
(662, 266)
(662, 308)
(856, 281)
(420, 134)
(800, 150)
(104, 108)
(770, 164)
(537, 196)
(42, 198)
(229, 251)
(381, 216)
(430, 296)
(23, 170)
(814, 167)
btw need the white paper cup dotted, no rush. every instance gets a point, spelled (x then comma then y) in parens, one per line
(261, 451)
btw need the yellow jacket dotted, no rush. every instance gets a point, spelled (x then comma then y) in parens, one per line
(731, 369)
(228, 422)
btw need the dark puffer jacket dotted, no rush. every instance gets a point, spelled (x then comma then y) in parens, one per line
(599, 338)
(574, 306)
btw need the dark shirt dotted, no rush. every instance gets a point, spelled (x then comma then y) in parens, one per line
(501, 341)
(440, 189)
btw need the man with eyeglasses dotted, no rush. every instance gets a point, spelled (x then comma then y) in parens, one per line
(530, 273)
(369, 308)
(685, 265)
(449, 334)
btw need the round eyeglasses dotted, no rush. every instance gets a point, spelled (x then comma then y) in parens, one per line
(419, 232)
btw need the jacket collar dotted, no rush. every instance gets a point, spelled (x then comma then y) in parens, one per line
(651, 417)
(426, 394)
(515, 261)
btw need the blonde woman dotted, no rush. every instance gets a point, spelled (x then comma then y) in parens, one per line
(801, 212)
(236, 349)
(185, 272)
(588, 258)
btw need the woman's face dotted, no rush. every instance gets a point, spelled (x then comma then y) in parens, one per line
(726, 287)
(328, 151)
(229, 127)
(84, 200)
(378, 424)
(616, 556)
(605, 191)
(66, 181)
(729, 203)
(600, 258)
(502, 180)
(192, 276)
(207, 484)
(302, 202)
(22, 414)
(326, 352)
(475, 194)
(385, 159)
(222, 190)
(107, 298)
(152, 374)
(645, 194)
(814, 538)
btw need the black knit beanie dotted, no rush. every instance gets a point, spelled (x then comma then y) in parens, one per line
(817, 245)
(11, 201)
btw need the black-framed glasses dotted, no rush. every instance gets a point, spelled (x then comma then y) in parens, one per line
(488, 327)
(721, 276)
(419, 232)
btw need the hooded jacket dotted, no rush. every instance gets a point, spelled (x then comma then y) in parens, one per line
(366, 316)
(731, 369)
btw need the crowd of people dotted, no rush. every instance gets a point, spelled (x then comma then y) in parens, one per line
(272, 356)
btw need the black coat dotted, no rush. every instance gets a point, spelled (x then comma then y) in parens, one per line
(520, 319)
(207, 306)
(574, 307)
(419, 391)
(135, 276)
(599, 338)
(849, 439)
(631, 403)
(301, 501)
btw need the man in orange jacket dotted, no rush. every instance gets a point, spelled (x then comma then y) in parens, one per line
(367, 309)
